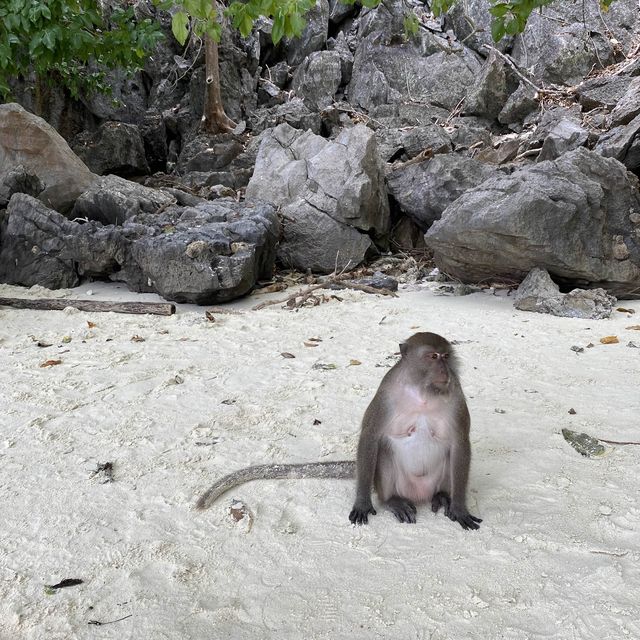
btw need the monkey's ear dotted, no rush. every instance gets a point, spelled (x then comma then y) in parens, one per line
(403, 348)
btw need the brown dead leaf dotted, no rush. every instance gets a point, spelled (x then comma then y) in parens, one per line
(625, 310)
(354, 363)
(91, 325)
(609, 340)
(137, 338)
(633, 327)
(315, 339)
(210, 317)
(50, 363)
(308, 343)
(286, 354)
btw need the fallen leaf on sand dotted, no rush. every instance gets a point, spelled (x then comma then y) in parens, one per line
(286, 354)
(609, 340)
(137, 338)
(633, 327)
(50, 363)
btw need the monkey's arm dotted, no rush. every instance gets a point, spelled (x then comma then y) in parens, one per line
(339, 469)
(456, 510)
(367, 459)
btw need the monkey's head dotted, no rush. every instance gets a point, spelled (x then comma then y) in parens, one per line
(432, 357)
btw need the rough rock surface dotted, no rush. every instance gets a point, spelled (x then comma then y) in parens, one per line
(112, 200)
(413, 72)
(116, 147)
(577, 217)
(539, 293)
(209, 253)
(18, 180)
(423, 190)
(331, 194)
(29, 141)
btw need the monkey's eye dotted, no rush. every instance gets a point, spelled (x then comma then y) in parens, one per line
(445, 356)
(433, 356)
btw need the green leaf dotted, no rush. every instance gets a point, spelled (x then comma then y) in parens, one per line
(180, 26)
(277, 31)
(497, 30)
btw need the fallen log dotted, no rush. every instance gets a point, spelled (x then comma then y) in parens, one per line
(56, 304)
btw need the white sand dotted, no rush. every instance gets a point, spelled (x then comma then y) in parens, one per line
(557, 556)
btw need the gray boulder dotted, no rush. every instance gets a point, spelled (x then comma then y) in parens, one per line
(116, 147)
(209, 253)
(294, 113)
(112, 200)
(331, 194)
(317, 79)
(314, 35)
(539, 293)
(518, 105)
(18, 180)
(563, 42)
(423, 190)
(565, 136)
(622, 143)
(604, 92)
(29, 141)
(628, 107)
(577, 217)
(417, 72)
(489, 92)
(406, 142)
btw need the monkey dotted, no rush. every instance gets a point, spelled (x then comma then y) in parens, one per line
(413, 446)
(414, 440)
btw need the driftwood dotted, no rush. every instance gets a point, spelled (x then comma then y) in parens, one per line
(340, 280)
(56, 304)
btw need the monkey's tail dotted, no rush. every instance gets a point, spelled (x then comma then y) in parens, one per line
(340, 469)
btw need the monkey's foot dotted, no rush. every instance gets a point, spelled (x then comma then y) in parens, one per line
(360, 513)
(404, 510)
(440, 499)
(454, 512)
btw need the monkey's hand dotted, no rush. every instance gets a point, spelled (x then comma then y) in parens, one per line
(360, 512)
(459, 513)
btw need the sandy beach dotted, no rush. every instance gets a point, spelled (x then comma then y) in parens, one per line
(175, 402)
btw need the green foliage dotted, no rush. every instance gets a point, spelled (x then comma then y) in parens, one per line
(510, 18)
(288, 16)
(411, 24)
(70, 42)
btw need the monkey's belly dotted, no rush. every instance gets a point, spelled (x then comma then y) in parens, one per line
(421, 462)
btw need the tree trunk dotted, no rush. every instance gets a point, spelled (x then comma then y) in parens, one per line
(214, 119)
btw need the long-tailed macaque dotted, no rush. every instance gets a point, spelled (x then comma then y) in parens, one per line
(414, 442)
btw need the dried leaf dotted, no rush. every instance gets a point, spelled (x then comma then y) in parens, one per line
(286, 354)
(67, 582)
(66, 339)
(50, 363)
(228, 401)
(354, 363)
(43, 344)
(584, 444)
(633, 327)
(609, 340)
(210, 317)
(315, 339)
(324, 367)
(91, 325)
(137, 338)
(310, 344)
(624, 310)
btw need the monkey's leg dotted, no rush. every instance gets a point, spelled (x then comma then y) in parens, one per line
(404, 510)
(440, 499)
